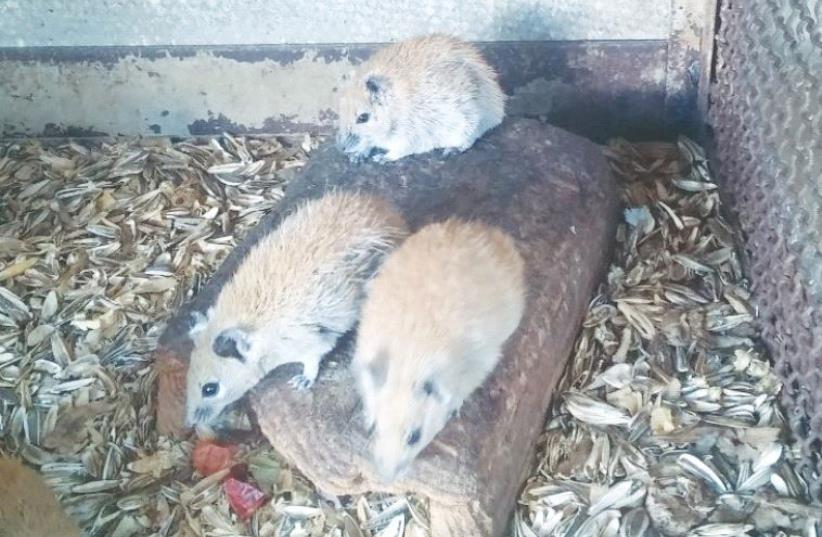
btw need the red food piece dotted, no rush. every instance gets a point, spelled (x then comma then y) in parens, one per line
(240, 472)
(244, 498)
(209, 458)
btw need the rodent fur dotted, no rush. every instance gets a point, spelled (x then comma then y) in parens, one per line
(431, 331)
(28, 507)
(297, 291)
(425, 93)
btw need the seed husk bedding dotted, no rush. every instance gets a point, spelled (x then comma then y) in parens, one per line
(667, 422)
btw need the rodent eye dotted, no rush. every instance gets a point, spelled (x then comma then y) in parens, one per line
(362, 118)
(414, 437)
(428, 387)
(210, 389)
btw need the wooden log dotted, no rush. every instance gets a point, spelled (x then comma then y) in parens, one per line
(554, 193)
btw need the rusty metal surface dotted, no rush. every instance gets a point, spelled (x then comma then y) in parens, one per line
(597, 89)
(202, 67)
(766, 116)
(687, 58)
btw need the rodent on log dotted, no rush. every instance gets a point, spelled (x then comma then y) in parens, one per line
(296, 292)
(426, 93)
(432, 330)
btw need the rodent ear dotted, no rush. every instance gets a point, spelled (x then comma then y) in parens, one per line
(378, 88)
(197, 322)
(430, 388)
(232, 343)
(377, 369)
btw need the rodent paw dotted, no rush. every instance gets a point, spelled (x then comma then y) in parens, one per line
(379, 155)
(450, 151)
(301, 382)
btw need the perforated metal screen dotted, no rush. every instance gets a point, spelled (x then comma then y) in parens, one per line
(766, 116)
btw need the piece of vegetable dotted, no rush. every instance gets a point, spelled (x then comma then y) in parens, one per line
(243, 497)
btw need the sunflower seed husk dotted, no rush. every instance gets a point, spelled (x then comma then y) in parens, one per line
(99, 244)
(669, 394)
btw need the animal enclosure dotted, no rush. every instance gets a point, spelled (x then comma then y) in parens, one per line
(143, 141)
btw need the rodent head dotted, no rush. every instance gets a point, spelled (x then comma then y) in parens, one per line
(227, 361)
(402, 415)
(222, 369)
(365, 120)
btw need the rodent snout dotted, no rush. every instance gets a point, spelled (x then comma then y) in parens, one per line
(348, 142)
(199, 416)
(390, 469)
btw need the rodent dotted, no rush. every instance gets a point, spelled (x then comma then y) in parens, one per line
(28, 507)
(431, 330)
(425, 93)
(297, 291)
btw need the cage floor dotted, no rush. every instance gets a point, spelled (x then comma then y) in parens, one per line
(669, 422)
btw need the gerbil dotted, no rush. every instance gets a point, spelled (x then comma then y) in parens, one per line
(295, 293)
(431, 330)
(426, 93)
(28, 508)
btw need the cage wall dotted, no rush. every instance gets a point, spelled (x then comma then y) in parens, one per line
(766, 118)
(84, 67)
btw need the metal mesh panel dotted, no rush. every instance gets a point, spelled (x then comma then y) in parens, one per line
(766, 116)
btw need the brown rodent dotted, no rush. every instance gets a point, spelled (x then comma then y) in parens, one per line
(432, 329)
(426, 93)
(28, 508)
(298, 290)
